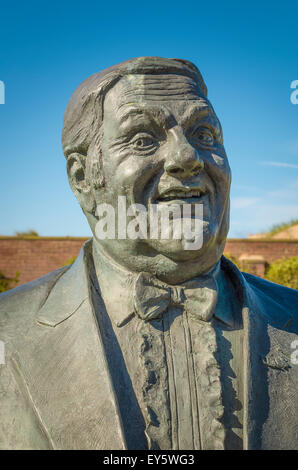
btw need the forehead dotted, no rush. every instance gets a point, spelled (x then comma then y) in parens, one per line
(172, 92)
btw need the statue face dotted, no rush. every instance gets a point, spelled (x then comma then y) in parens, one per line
(162, 145)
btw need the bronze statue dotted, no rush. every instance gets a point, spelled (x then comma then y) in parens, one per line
(146, 342)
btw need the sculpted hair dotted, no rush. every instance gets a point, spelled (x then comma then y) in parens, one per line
(84, 113)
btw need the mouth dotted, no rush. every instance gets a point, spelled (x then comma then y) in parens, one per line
(182, 194)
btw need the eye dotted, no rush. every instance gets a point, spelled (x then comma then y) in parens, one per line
(204, 136)
(143, 142)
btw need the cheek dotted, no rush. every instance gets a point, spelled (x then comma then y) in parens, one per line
(217, 166)
(132, 173)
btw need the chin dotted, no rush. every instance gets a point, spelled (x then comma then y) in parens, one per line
(175, 250)
(178, 250)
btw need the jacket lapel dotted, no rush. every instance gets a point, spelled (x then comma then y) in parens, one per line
(271, 378)
(67, 374)
(266, 367)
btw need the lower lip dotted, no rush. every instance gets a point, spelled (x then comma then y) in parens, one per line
(188, 200)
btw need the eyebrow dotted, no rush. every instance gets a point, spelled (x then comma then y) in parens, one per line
(157, 113)
(163, 117)
(197, 111)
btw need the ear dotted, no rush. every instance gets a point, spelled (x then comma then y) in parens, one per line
(76, 171)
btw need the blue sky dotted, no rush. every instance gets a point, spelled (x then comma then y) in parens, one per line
(248, 56)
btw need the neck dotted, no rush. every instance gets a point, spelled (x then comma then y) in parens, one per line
(163, 268)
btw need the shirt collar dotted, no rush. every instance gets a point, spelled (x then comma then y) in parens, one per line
(116, 284)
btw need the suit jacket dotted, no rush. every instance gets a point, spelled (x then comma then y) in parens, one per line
(56, 389)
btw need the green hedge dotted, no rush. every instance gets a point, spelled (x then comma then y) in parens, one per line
(7, 283)
(284, 271)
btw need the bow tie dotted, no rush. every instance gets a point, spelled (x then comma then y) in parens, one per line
(152, 297)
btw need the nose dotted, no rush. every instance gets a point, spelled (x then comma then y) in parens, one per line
(183, 160)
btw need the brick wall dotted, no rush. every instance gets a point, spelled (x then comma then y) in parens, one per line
(271, 250)
(34, 257)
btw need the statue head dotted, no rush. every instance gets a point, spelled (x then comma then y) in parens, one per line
(145, 130)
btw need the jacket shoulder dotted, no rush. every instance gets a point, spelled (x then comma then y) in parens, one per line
(276, 291)
(18, 305)
(276, 304)
(279, 303)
